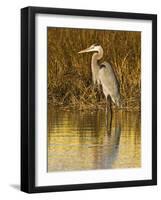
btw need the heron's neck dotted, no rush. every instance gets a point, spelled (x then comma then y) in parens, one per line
(95, 66)
(97, 56)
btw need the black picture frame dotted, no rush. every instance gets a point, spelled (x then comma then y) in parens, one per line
(28, 98)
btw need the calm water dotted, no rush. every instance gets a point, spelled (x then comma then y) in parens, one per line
(81, 140)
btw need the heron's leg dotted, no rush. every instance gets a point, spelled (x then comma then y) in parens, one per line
(99, 87)
(108, 115)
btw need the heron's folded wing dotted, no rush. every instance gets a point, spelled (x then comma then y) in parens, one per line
(108, 79)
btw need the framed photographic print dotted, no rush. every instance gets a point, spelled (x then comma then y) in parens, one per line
(88, 99)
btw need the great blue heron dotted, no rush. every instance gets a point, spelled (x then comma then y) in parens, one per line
(103, 74)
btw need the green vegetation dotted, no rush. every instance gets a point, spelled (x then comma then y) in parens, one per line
(69, 73)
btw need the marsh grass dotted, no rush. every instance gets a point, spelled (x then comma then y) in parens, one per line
(69, 73)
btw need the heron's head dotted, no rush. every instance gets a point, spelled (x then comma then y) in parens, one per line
(92, 48)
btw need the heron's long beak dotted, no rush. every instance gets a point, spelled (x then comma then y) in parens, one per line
(86, 50)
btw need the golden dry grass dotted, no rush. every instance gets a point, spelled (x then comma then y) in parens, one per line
(69, 73)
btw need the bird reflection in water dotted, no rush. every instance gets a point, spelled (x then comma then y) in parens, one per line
(112, 137)
(83, 141)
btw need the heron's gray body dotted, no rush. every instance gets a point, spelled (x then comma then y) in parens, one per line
(103, 74)
(109, 82)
